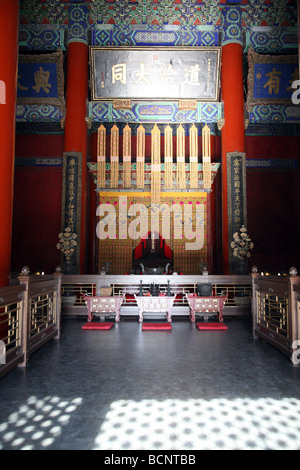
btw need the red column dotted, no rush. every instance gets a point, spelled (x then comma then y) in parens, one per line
(9, 43)
(92, 214)
(233, 131)
(211, 216)
(75, 124)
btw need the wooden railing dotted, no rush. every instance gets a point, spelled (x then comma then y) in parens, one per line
(30, 314)
(275, 311)
(238, 289)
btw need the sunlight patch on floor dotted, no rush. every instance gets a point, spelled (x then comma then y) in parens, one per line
(38, 423)
(199, 424)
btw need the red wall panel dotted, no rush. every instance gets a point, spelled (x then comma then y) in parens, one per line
(273, 214)
(39, 145)
(272, 146)
(37, 205)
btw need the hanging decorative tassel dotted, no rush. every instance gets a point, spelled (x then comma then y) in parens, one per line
(193, 157)
(206, 157)
(114, 157)
(181, 157)
(155, 165)
(168, 176)
(101, 149)
(140, 157)
(127, 157)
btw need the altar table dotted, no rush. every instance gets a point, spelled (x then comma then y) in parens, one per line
(104, 305)
(155, 304)
(206, 305)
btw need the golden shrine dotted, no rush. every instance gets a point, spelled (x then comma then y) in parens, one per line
(153, 215)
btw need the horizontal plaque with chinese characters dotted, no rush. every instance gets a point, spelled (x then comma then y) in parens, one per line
(155, 73)
(271, 78)
(41, 79)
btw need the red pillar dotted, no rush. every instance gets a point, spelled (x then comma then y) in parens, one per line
(75, 124)
(92, 214)
(211, 216)
(9, 43)
(233, 131)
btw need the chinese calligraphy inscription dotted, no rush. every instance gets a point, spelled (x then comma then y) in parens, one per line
(71, 205)
(149, 73)
(271, 79)
(41, 79)
(236, 190)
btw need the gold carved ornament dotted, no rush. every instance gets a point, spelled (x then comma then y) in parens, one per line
(168, 157)
(206, 157)
(155, 165)
(101, 146)
(127, 157)
(181, 157)
(114, 157)
(193, 135)
(140, 157)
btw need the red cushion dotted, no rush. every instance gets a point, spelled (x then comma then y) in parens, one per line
(211, 326)
(157, 326)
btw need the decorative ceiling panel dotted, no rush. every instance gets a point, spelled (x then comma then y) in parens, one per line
(278, 13)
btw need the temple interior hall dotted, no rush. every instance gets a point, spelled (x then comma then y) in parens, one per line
(150, 225)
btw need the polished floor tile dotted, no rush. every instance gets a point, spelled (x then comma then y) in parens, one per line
(131, 389)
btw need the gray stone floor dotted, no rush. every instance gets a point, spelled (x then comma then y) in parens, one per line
(127, 389)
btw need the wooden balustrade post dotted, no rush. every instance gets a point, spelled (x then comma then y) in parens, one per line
(58, 276)
(254, 275)
(24, 280)
(294, 324)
